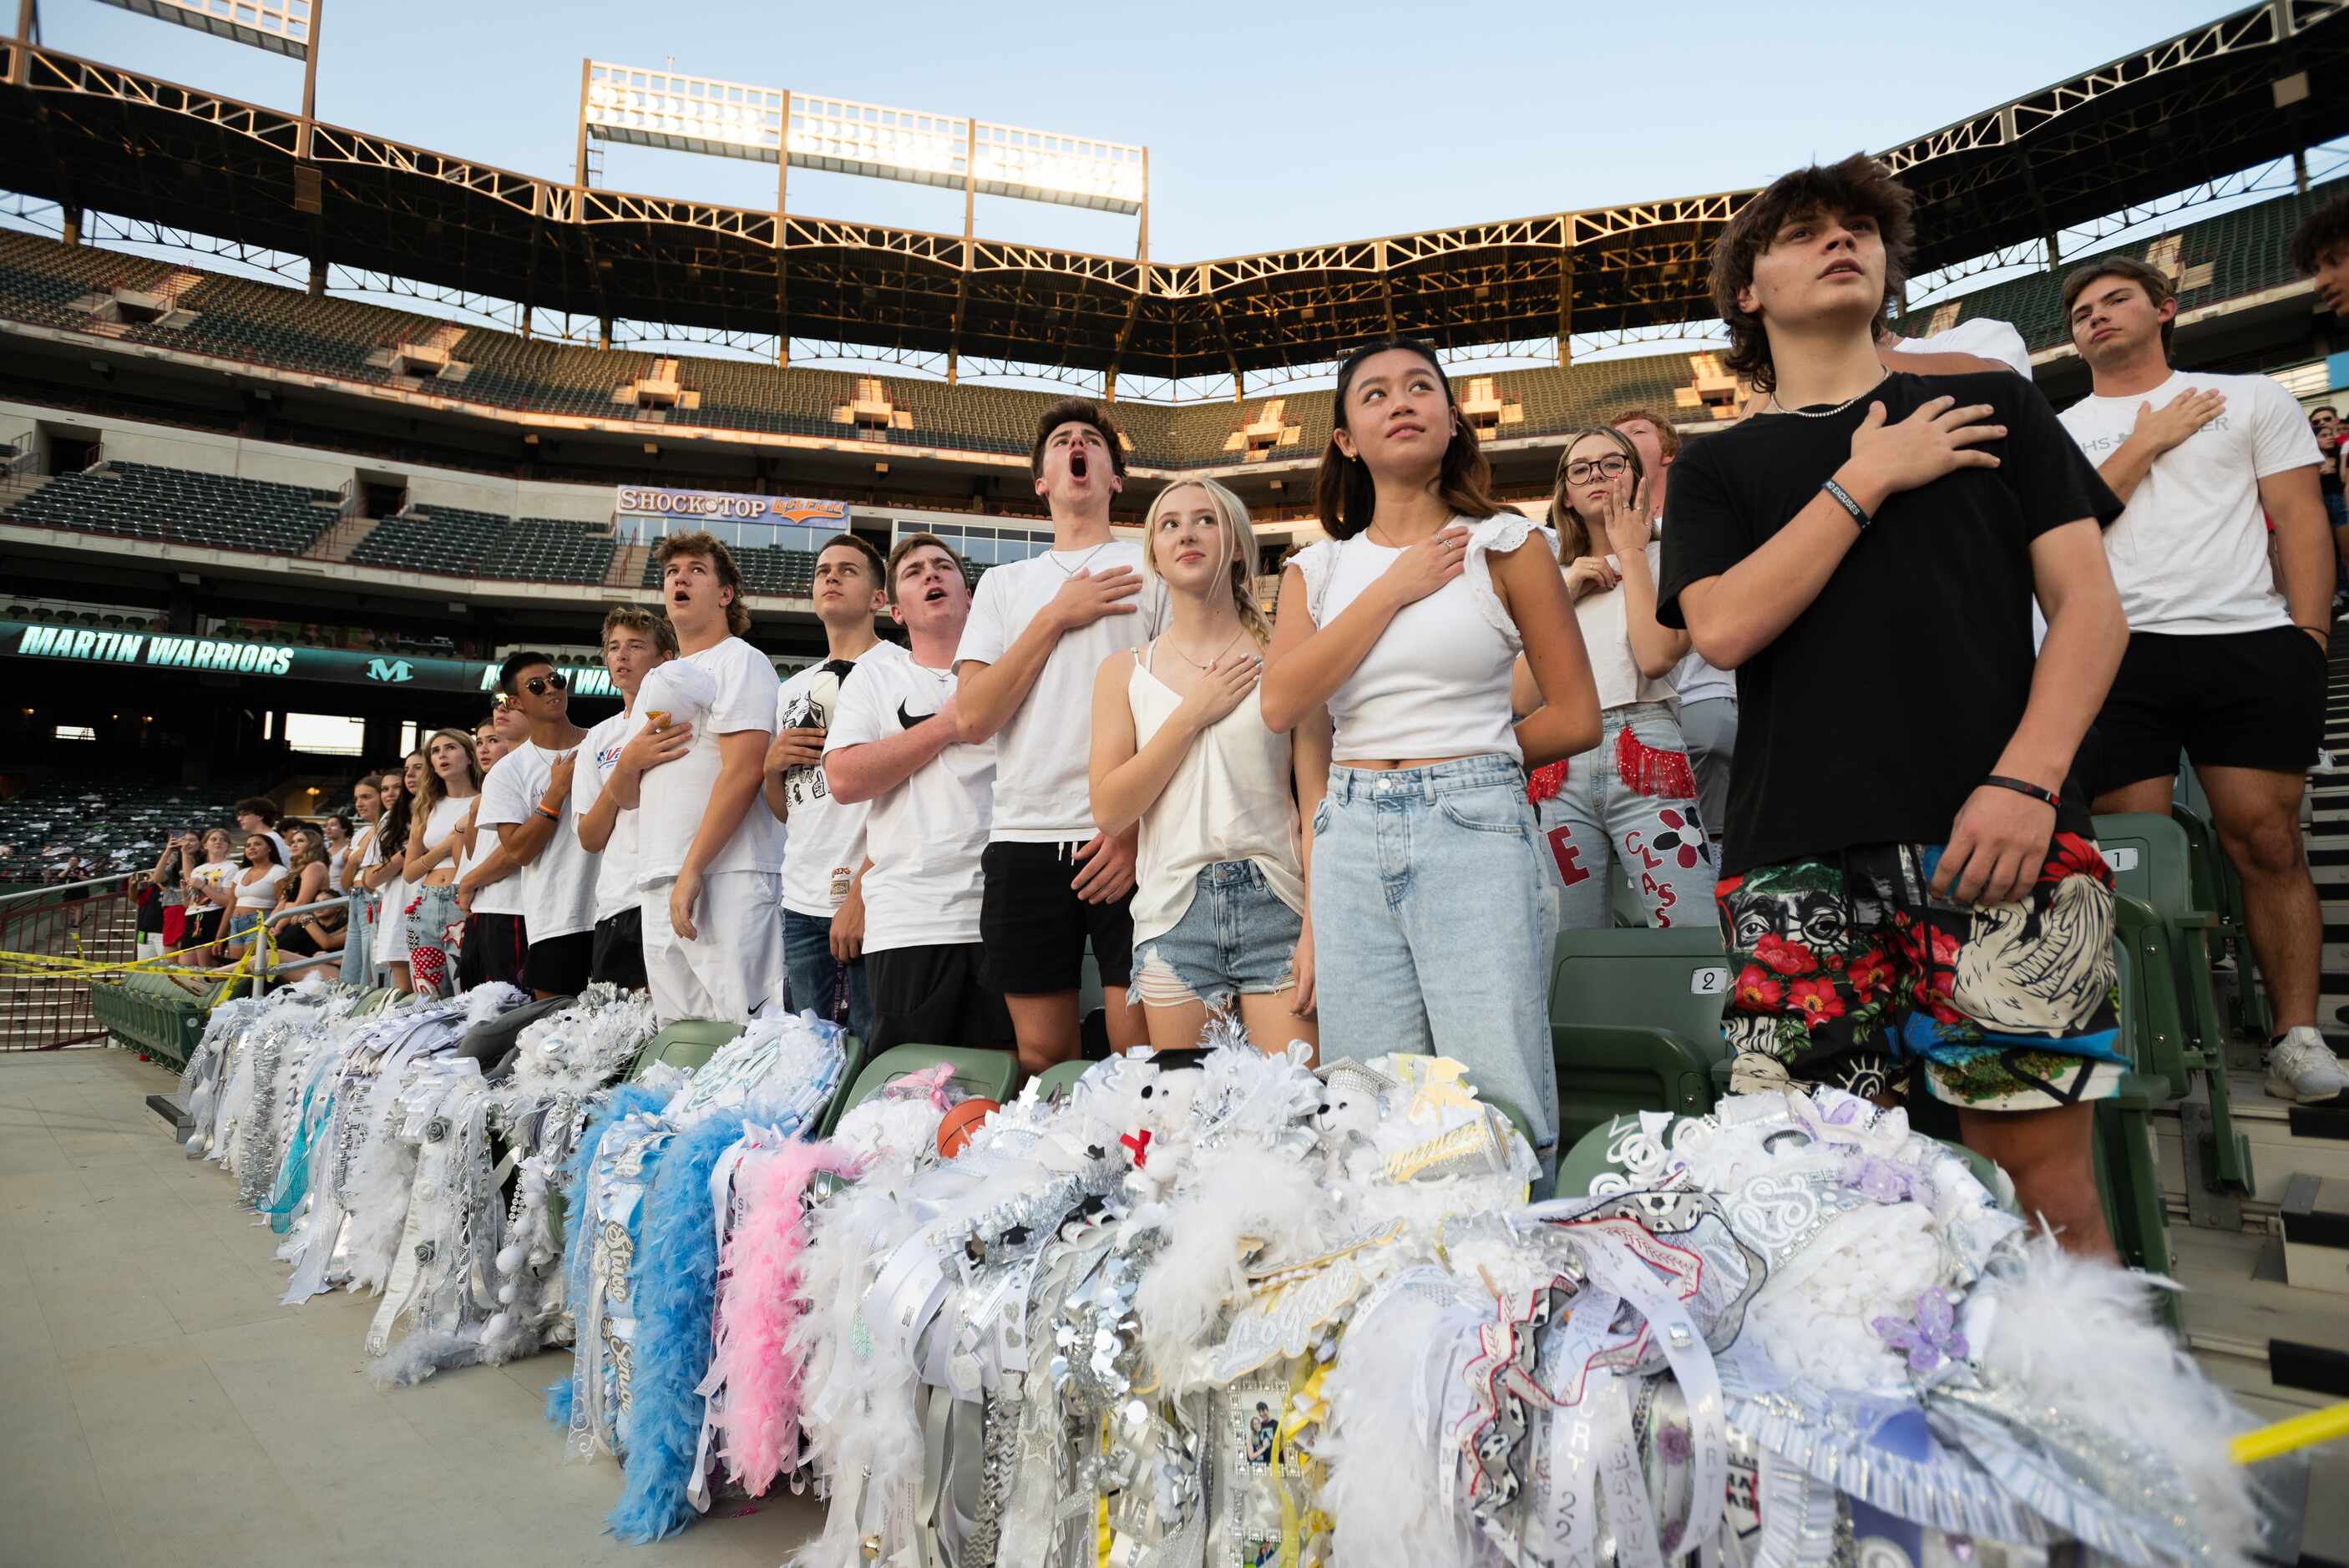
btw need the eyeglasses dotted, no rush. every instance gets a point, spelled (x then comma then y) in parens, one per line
(1613, 468)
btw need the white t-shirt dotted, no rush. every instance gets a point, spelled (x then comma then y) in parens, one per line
(503, 896)
(826, 840)
(1603, 617)
(926, 836)
(2189, 552)
(741, 687)
(616, 868)
(1042, 796)
(558, 888)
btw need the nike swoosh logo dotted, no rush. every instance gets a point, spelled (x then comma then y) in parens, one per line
(907, 720)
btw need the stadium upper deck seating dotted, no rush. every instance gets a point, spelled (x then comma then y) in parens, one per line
(142, 500)
(2230, 256)
(2226, 256)
(458, 543)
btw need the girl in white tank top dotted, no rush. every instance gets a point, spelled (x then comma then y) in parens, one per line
(1428, 896)
(1180, 747)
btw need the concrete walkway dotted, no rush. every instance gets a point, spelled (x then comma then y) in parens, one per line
(157, 1404)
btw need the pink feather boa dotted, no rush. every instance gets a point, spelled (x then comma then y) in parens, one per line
(758, 1421)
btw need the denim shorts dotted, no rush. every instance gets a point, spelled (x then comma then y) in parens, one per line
(1236, 938)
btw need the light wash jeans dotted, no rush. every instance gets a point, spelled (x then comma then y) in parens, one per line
(1598, 823)
(1429, 928)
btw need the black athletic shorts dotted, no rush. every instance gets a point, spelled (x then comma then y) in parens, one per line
(2233, 699)
(934, 996)
(202, 927)
(1034, 927)
(560, 965)
(494, 948)
(617, 957)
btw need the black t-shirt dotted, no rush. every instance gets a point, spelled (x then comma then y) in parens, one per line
(1883, 705)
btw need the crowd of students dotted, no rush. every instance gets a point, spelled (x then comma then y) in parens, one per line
(1846, 678)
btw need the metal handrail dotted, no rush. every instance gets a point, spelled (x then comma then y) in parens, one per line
(56, 890)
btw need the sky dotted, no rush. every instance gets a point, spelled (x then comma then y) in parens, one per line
(1268, 126)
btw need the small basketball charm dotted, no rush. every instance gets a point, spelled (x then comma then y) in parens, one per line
(961, 1122)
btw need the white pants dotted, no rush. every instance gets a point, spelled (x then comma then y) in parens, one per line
(735, 966)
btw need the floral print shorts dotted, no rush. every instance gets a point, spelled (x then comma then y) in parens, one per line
(1847, 971)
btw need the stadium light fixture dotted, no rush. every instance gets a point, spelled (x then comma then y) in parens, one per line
(732, 119)
(280, 26)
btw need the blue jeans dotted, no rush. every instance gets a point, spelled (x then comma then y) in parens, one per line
(1429, 906)
(1600, 828)
(815, 974)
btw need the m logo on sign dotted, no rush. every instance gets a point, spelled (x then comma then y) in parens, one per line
(389, 669)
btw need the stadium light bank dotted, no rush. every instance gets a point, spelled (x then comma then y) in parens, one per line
(791, 130)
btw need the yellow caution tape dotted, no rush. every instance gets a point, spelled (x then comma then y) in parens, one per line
(2324, 1425)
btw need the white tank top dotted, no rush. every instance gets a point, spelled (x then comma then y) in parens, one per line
(1436, 683)
(1605, 620)
(1229, 799)
(261, 892)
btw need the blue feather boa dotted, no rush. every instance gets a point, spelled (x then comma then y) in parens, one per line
(613, 1107)
(673, 1286)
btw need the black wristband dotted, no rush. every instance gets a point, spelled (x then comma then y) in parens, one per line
(2024, 786)
(1843, 498)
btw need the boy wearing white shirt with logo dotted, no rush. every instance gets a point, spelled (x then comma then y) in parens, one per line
(635, 642)
(896, 742)
(526, 801)
(824, 904)
(711, 896)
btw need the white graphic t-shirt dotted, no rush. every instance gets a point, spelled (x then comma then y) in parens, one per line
(616, 868)
(826, 841)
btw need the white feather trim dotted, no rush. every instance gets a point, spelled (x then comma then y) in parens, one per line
(1238, 1201)
(2082, 1337)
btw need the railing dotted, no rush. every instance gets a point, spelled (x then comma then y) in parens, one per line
(94, 921)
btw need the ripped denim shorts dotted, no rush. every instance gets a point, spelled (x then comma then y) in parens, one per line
(1236, 939)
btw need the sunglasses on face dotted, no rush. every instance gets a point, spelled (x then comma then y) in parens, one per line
(537, 685)
(1613, 468)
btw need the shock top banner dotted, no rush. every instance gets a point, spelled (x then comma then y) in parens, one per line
(697, 507)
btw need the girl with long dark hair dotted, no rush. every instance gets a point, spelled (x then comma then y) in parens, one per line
(1407, 623)
(384, 873)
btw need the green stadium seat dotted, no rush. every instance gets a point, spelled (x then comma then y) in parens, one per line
(987, 1075)
(688, 1043)
(1635, 1022)
(1055, 1081)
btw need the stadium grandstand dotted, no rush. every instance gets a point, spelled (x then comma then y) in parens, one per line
(260, 528)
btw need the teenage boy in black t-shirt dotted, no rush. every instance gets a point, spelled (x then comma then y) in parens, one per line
(1909, 881)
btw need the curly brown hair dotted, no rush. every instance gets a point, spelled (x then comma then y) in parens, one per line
(1859, 187)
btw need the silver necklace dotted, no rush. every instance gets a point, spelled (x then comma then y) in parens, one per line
(1774, 405)
(1088, 561)
(1195, 663)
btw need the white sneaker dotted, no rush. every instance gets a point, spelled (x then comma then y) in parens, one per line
(2303, 1069)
